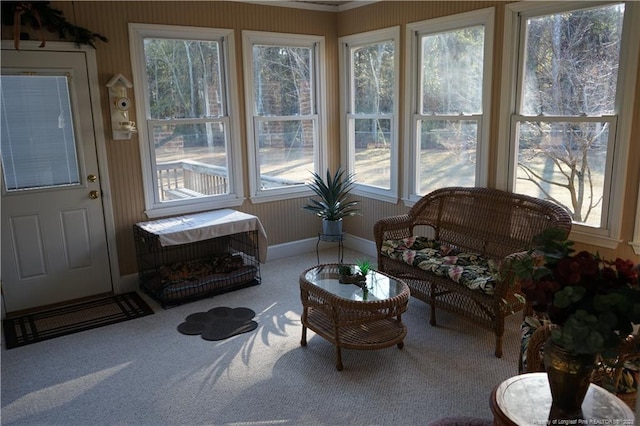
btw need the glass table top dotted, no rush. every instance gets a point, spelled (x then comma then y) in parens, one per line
(379, 286)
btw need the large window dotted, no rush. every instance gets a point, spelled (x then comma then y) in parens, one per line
(450, 66)
(284, 116)
(369, 70)
(565, 121)
(183, 81)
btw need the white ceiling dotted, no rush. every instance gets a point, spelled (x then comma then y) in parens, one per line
(326, 5)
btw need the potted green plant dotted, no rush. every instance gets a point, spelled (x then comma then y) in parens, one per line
(333, 204)
(349, 276)
(364, 266)
(591, 302)
(355, 274)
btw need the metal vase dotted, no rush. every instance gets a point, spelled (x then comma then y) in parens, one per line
(569, 379)
(332, 227)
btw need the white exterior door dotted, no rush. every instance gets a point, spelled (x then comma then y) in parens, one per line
(54, 245)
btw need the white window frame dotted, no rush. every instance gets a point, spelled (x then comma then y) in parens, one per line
(249, 38)
(635, 243)
(348, 43)
(607, 236)
(484, 17)
(235, 197)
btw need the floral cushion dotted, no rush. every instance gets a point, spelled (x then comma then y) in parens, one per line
(527, 328)
(444, 260)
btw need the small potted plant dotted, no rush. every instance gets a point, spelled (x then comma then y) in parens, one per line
(333, 204)
(364, 266)
(355, 274)
(349, 276)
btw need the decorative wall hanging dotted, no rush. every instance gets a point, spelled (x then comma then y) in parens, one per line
(40, 16)
(119, 103)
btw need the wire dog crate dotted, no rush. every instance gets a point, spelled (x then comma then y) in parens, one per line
(176, 274)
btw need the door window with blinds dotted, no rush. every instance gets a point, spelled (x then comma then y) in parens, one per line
(38, 138)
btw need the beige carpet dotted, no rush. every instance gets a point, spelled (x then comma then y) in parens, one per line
(144, 372)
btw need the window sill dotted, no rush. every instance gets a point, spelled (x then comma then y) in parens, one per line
(193, 207)
(376, 194)
(592, 239)
(280, 195)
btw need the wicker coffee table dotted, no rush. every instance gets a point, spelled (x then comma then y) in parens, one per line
(349, 317)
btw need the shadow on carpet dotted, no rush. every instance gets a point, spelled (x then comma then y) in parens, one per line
(461, 421)
(39, 326)
(219, 323)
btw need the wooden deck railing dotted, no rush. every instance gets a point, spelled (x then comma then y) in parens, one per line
(188, 178)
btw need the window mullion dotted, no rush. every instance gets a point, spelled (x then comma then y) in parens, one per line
(186, 120)
(452, 117)
(370, 116)
(273, 118)
(565, 118)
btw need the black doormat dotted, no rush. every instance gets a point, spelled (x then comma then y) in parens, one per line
(219, 323)
(70, 319)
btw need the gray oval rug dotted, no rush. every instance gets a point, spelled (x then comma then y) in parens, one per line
(219, 323)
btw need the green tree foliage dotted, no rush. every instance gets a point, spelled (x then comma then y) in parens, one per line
(283, 82)
(373, 71)
(185, 82)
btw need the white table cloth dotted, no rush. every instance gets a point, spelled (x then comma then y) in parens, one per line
(206, 225)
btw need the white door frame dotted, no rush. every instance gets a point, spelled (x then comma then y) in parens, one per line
(101, 151)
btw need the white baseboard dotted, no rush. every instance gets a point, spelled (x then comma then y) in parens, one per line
(291, 249)
(129, 283)
(361, 245)
(294, 248)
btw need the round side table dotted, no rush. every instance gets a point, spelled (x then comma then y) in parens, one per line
(525, 400)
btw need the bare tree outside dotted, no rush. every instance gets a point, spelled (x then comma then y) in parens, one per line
(566, 116)
(565, 119)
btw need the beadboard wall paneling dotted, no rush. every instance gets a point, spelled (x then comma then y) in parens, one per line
(286, 220)
(387, 14)
(283, 221)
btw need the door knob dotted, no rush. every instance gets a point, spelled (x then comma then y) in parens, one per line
(93, 194)
(92, 178)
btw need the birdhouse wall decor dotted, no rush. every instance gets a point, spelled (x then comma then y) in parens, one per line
(119, 104)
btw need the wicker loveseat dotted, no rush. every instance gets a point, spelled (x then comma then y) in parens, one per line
(449, 246)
